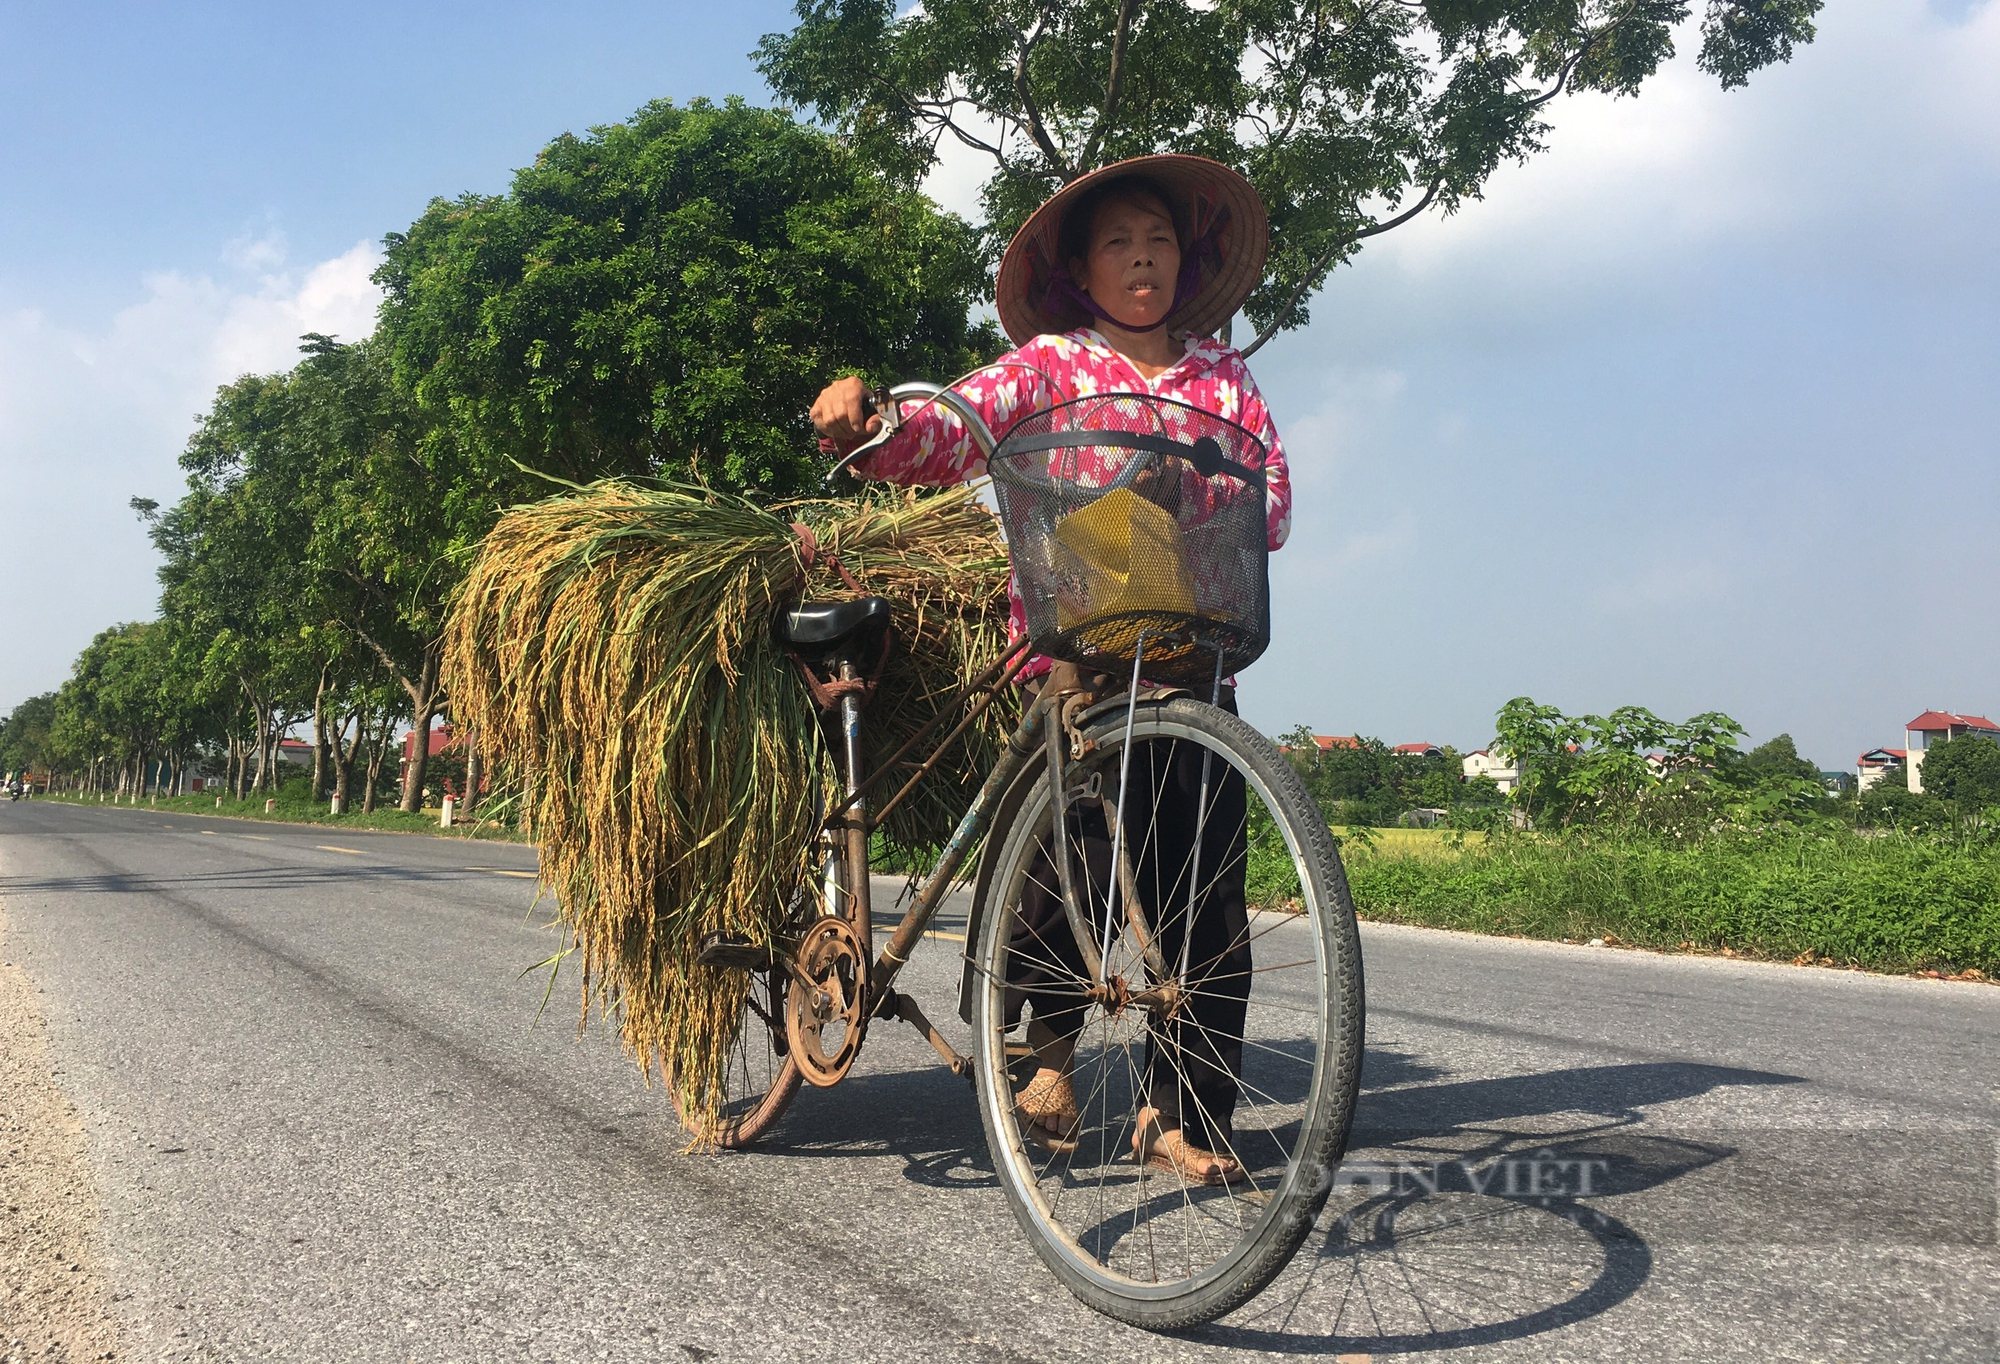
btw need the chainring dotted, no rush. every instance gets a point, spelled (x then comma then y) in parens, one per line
(826, 1008)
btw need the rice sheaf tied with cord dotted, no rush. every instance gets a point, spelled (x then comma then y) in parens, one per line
(613, 648)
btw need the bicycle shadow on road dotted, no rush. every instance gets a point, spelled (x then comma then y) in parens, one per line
(926, 1117)
(1466, 1212)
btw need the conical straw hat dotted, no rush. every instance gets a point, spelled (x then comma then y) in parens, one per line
(1219, 210)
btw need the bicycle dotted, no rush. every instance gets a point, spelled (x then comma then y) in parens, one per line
(1263, 1035)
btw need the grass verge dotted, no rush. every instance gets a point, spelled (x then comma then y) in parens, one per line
(1883, 904)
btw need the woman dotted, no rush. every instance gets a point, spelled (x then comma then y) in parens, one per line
(1115, 286)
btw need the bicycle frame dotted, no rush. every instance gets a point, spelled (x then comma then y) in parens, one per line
(854, 819)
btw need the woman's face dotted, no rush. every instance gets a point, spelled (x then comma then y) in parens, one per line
(1134, 260)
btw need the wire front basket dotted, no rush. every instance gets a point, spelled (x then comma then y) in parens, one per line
(1130, 515)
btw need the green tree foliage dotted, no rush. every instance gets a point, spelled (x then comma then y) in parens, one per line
(26, 739)
(1777, 758)
(1772, 782)
(313, 546)
(1596, 769)
(237, 585)
(1351, 118)
(664, 297)
(1965, 771)
(1891, 804)
(1363, 782)
(128, 708)
(661, 297)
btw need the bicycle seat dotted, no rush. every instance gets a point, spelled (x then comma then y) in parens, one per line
(824, 628)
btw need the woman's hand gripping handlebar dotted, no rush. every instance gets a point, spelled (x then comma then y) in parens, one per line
(848, 410)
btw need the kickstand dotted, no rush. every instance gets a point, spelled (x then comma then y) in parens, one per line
(907, 1010)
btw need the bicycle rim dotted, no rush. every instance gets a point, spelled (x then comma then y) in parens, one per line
(760, 1080)
(1152, 1244)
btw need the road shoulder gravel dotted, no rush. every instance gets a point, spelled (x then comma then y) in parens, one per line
(53, 1301)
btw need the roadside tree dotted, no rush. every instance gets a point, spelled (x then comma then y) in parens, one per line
(663, 297)
(1964, 771)
(26, 740)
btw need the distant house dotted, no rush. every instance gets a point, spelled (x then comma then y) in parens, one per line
(297, 752)
(1483, 763)
(1869, 767)
(1328, 742)
(1419, 750)
(1837, 783)
(1934, 727)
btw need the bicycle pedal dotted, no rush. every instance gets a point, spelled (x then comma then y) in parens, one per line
(728, 950)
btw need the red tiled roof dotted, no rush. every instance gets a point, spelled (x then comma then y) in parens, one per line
(1868, 758)
(1944, 719)
(1327, 741)
(1416, 748)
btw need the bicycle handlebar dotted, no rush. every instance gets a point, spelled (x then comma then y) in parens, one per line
(888, 403)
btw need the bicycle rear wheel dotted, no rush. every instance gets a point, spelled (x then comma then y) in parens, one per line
(1241, 1024)
(761, 1079)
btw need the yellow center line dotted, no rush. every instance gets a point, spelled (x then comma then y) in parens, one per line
(948, 937)
(502, 871)
(211, 831)
(261, 838)
(328, 847)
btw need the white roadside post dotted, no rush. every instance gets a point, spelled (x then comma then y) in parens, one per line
(270, 805)
(444, 814)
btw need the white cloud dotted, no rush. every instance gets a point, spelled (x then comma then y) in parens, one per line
(93, 415)
(1884, 111)
(190, 333)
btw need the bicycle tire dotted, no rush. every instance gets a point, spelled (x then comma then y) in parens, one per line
(762, 1079)
(1325, 1105)
(751, 1107)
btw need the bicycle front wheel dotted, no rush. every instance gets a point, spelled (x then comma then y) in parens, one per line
(1212, 1043)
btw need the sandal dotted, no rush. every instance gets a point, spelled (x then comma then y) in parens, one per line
(1151, 1147)
(1047, 1108)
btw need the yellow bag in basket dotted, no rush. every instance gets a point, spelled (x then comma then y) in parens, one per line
(1125, 554)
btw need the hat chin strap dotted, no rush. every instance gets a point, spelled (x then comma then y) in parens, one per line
(1062, 288)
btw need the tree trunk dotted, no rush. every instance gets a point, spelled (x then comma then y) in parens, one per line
(263, 729)
(345, 753)
(423, 708)
(377, 751)
(474, 769)
(319, 738)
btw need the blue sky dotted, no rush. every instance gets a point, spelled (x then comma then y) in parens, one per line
(1696, 411)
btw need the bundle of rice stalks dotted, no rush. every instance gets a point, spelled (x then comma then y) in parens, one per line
(616, 645)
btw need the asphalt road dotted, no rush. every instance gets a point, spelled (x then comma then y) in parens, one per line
(323, 1126)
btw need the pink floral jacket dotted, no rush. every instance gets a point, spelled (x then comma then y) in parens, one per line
(935, 449)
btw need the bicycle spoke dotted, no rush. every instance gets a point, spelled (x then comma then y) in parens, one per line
(1232, 1067)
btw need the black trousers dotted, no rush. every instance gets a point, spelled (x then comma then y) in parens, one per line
(1193, 1062)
